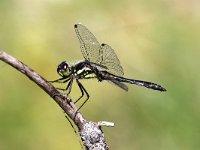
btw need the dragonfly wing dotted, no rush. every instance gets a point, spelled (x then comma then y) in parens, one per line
(89, 45)
(119, 84)
(109, 59)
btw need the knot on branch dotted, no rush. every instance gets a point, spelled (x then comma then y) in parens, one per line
(93, 136)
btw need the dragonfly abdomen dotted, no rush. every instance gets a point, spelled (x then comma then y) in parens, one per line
(146, 84)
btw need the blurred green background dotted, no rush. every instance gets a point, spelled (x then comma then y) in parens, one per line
(155, 40)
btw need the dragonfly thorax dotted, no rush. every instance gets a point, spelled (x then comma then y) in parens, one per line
(64, 69)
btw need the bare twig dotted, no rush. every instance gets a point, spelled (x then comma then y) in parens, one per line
(91, 133)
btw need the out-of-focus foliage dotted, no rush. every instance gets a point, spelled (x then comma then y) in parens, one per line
(155, 40)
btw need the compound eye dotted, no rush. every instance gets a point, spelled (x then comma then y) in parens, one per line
(63, 69)
(63, 65)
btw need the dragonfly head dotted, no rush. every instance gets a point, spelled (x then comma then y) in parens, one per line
(64, 69)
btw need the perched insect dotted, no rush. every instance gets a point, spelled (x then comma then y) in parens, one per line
(100, 62)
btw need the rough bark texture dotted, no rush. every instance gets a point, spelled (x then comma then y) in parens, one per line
(90, 132)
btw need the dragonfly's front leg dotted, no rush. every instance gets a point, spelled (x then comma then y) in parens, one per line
(60, 80)
(56, 81)
(68, 88)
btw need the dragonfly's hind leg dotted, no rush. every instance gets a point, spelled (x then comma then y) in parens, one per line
(83, 91)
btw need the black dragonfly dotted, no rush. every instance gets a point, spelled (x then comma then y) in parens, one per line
(100, 62)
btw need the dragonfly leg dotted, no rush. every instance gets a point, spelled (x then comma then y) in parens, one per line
(69, 86)
(58, 80)
(61, 89)
(59, 95)
(64, 89)
(84, 91)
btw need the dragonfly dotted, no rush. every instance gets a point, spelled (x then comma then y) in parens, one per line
(100, 62)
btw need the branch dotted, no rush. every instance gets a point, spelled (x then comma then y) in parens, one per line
(90, 132)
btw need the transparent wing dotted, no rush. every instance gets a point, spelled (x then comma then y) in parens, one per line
(119, 84)
(109, 59)
(94, 52)
(89, 45)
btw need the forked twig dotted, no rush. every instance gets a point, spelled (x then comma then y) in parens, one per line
(90, 132)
